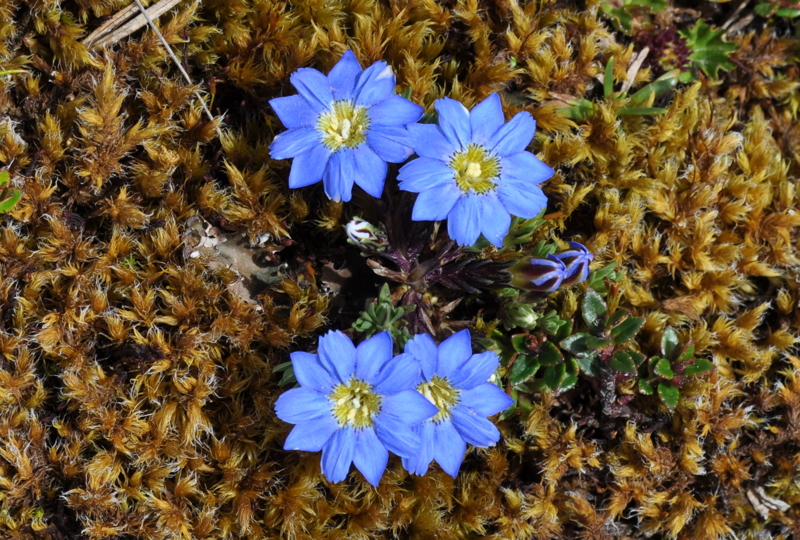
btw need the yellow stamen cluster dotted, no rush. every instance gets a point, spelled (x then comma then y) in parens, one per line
(441, 393)
(476, 169)
(344, 126)
(355, 404)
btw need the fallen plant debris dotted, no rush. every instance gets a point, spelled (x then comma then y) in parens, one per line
(158, 268)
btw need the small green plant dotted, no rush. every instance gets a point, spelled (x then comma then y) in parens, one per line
(382, 316)
(709, 52)
(665, 374)
(779, 8)
(622, 12)
(635, 105)
(8, 195)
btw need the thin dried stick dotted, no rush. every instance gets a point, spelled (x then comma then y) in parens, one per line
(177, 62)
(119, 26)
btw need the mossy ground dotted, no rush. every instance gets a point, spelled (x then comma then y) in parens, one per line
(136, 385)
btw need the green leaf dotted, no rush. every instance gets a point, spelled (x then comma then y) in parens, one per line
(588, 365)
(579, 109)
(688, 352)
(669, 344)
(637, 357)
(543, 249)
(659, 86)
(523, 369)
(608, 78)
(700, 366)
(596, 344)
(594, 310)
(9, 203)
(645, 387)
(554, 375)
(564, 330)
(668, 394)
(549, 355)
(576, 344)
(623, 363)
(626, 329)
(568, 382)
(288, 373)
(406, 93)
(709, 51)
(641, 111)
(662, 368)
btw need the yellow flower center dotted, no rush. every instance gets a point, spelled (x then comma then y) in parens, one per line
(476, 169)
(441, 393)
(355, 404)
(344, 126)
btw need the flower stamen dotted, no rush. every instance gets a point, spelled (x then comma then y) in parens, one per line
(355, 404)
(344, 126)
(476, 169)
(441, 393)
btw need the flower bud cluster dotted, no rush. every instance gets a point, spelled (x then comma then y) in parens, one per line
(548, 274)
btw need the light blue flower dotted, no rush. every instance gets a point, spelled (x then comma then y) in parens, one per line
(473, 170)
(454, 380)
(354, 404)
(344, 127)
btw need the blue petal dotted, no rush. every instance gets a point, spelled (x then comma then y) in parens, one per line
(314, 87)
(311, 436)
(463, 222)
(395, 111)
(476, 430)
(337, 454)
(485, 399)
(336, 349)
(301, 405)
(343, 76)
(310, 372)
(425, 173)
(419, 463)
(294, 112)
(409, 407)
(375, 84)
(486, 118)
(370, 170)
(308, 167)
(429, 141)
(396, 435)
(449, 448)
(424, 350)
(339, 176)
(495, 219)
(514, 136)
(399, 374)
(371, 456)
(453, 352)
(525, 203)
(526, 168)
(475, 371)
(435, 204)
(294, 142)
(392, 144)
(372, 355)
(454, 121)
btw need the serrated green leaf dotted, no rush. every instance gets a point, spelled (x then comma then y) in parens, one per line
(626, 329)
(645, 387)
(549, 355)
(669, 343)
(668, 394)
(576, 343)
(700, 366)
(709, 51)
(622, 362)
(594, 310)
(523, 369)
(554, 375)
(662, 368)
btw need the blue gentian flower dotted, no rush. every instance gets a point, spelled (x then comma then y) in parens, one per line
(540, 275)
(344, 128)
(354, 404)
(454, 380)
(576, 260)
(474, 171)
